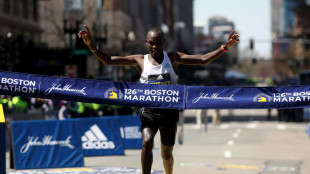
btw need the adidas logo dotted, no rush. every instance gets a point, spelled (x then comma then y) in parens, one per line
(95, 139)
(160, 77)
(167, 65)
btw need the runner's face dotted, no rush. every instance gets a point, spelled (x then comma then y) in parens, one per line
(155, 44)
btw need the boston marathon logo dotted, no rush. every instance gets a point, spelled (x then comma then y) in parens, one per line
(156, 95)
(291, 97)
(18, 85)
(94, 138)
(113, 93)
(286, 97)
(262, 98)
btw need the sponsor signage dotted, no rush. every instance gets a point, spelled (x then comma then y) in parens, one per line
(247, 97)
(210, 97)
(101, 136)
(154, 96)
(105, 92)
(131, 131)
(47, 144)
(144, 95)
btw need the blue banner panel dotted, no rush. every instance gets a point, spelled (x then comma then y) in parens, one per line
(131, 131)
(47, 144)
(247, 97)
(154, 96)
(101, 136)
(93, 91)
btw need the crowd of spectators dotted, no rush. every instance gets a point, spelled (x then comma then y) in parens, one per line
(61, 109)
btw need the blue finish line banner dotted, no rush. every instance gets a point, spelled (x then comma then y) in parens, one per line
(155, 96)
(93, 91)
(247, 97)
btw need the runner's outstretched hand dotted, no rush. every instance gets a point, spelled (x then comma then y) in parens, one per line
(85, 34)
(232, 40)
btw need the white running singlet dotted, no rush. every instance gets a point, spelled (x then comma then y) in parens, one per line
(162, 74)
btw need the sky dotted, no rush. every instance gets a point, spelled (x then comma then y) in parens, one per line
(251, 18)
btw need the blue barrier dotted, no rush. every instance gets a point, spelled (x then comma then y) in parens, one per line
(47, 144)
(56, 144)
(155, 96)
(131, 131)
(101, 136)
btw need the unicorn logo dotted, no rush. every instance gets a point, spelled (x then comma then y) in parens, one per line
(112, 95)
(262, 99)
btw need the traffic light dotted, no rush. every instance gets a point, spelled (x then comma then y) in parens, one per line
(251, 44)
(254, 61)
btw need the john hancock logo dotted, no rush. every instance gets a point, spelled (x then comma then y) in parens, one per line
(113, 94)
(262, 98)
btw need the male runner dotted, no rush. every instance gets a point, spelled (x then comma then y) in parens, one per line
(157, 67)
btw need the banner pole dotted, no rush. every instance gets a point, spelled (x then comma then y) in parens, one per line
(2, 142)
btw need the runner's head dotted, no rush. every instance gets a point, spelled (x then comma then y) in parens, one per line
(155, 40)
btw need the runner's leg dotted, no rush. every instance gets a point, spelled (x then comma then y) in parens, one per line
(147, 147)
(166, 153)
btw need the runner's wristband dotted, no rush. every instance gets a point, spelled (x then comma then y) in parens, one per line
(224, 49)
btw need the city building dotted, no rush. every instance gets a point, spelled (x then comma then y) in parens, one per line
(19, 27)
(20, 18)
(183, 26)
(118, 26)
(213, 74)
(283, 22)
(220, 27)
(40, 36)
(288, 50)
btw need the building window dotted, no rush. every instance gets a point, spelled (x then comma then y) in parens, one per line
(34, 10)
(16, 7)
(7, 6)
(99, 4)
(73, 5)
(25, 9)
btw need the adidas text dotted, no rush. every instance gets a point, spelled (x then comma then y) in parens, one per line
(98, 145)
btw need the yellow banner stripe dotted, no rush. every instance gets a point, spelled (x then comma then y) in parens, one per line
(2, 119)
(239, 167)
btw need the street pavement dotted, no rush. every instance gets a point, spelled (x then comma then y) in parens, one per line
(244, 143)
